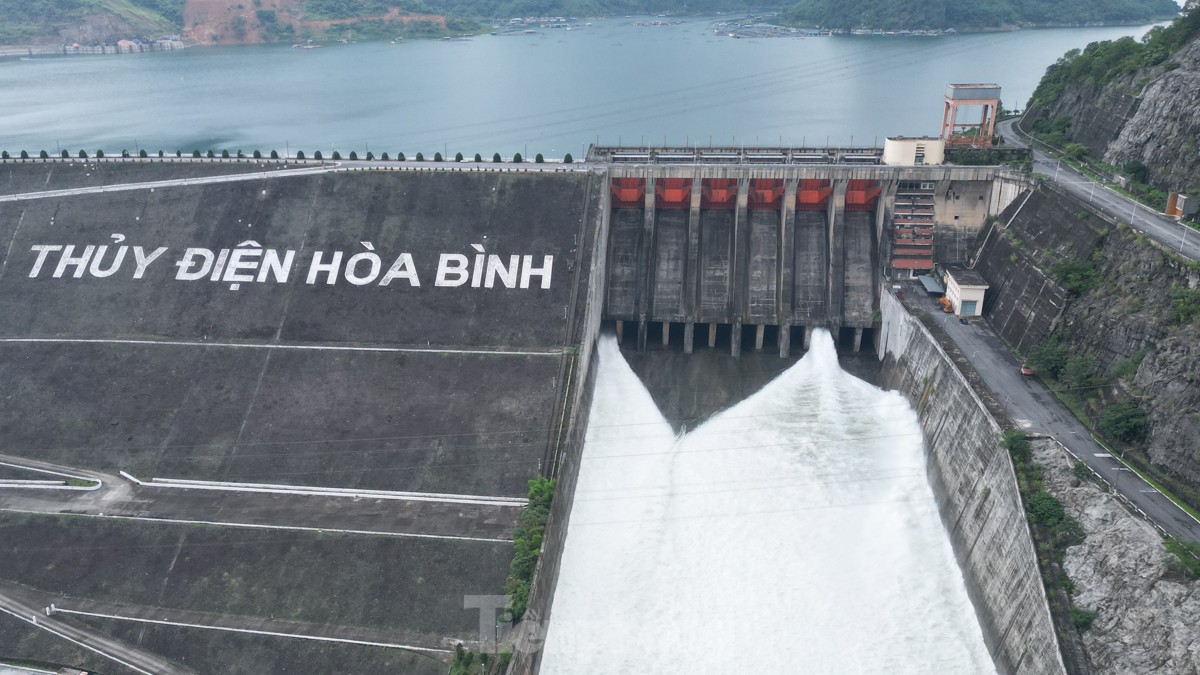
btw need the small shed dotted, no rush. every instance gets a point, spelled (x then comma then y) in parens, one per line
(965, 289)
(932, 287)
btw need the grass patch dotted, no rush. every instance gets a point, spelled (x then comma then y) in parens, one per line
(1188, 555)
(527, 540)
(1082, 618)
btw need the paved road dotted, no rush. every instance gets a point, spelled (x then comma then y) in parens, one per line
(13, 602)
(1164, 230)
(119, 498)
(1036, 410)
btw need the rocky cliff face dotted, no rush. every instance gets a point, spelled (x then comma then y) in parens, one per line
(1133, 323)
(1145, 607)
(1132, 316)
(1149, 116)
(1163, 132)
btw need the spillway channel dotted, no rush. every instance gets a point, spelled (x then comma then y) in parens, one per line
(794, 532)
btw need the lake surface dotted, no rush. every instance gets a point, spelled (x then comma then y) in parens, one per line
(553, 92)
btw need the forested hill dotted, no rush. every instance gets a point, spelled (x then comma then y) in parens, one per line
(36, 20)
(242, 21)
(219, 21)
(581, 8)
(973, 14)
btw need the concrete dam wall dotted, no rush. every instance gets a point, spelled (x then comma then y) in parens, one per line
(395, 331)
(756, 257)
(263, 344)
(978, 496)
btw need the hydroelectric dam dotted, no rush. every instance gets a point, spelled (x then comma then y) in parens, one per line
(299, 404)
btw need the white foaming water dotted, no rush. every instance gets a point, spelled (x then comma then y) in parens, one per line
(792, 533)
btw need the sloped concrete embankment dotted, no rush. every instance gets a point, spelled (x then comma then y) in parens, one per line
(569, 449)
(976, 488)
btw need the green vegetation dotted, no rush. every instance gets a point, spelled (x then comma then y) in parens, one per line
(437, 156)
(1079, 372)
(1076, 276)
(348, 9)
(1015, 443)
(1049, 357)
(538, 159)
(1187, 554)
(1082, 618)
(1017, 158)
(1053, 529)
(1102, 62)
(22, 20)
(1125, 421)
(1081, 470)
(527, 542)
(937, 14)
(496, 158)
(1126, 368)
(478, 157)
(1185, 304)
(458, 157)
(567, 159)
(517, 159)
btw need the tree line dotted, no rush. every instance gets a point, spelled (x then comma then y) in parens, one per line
(971, 14)
(1102, 62)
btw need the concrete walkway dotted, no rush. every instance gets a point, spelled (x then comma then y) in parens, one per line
(485, 522)
(436, 646)
(1037, 411)
(17, 602)
(358, 165)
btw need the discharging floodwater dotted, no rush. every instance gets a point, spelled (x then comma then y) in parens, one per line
(794, 532)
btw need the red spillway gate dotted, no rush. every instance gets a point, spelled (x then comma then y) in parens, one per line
(673, 193)
(628, 193)
(813, 194)
(862, 194)
(766, 194)
(718, 193)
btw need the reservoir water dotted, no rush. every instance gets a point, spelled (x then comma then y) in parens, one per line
(552, 92)
(795, 532)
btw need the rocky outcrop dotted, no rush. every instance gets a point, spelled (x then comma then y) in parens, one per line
(1147, 115)
(1163, 132)
(1128, 323)
(1145, 607)
(1097, 114)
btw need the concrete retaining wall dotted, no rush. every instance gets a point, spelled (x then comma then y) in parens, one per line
(977, 495)
(569, 451)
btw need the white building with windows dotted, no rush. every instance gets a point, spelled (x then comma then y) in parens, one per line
(906, 151)
(965, 290)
